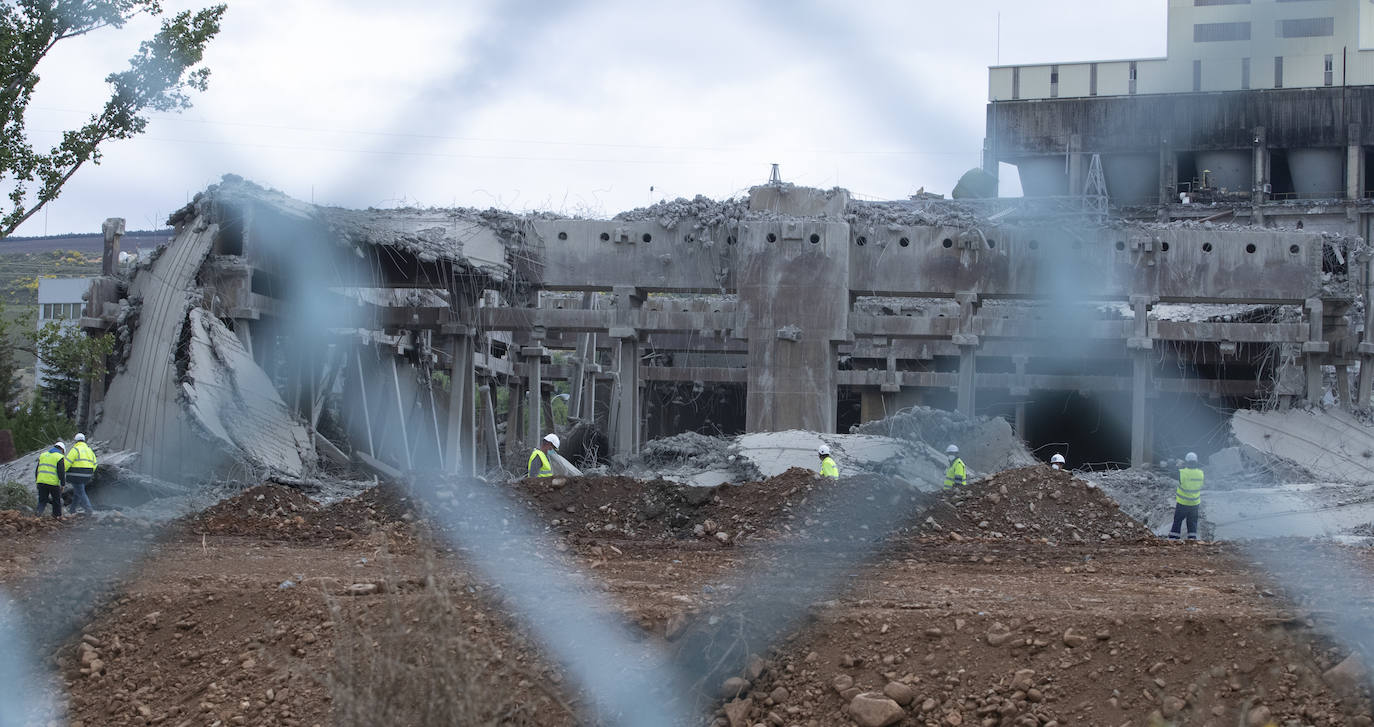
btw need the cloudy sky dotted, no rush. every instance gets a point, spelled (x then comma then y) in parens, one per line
(570, 107)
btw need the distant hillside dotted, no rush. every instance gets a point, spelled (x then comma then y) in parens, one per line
(89, 243)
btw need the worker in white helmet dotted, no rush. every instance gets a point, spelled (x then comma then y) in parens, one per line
(539, 465)
(1187, 498)
(1057, 461)
(828, 468)
(954, 474)
(80, 469)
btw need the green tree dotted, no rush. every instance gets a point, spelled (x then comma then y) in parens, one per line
(36, 425)
(9, 363)
(70, 358)
(160, 77)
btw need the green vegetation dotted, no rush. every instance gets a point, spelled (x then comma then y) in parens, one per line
(20, 272)
(36, 425)
(70, 358)
(14, 496)
(160, 77)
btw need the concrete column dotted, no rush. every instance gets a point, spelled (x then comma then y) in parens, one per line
(1366, 347)
(626, 397)
(1168, 176)
(1314, 350)
(1343, 387)
(1261, 166)
(1140, 345)
(1078, 168)
(493, 445)
(113, 230)
(533, 357)
(967, 341)
(1354, 164)
(460, 446)
(793, 281)
(516, 404)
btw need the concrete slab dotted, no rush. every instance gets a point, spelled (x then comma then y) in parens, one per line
(1331, 444)
(1300, 510)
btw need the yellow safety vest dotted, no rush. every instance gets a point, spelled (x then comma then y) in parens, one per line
(1189, 486)
(80, 457)
(954, 476)
(828, 468)
(47, 468)
(545, 469)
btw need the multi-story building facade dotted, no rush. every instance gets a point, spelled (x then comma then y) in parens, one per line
(1264, 106)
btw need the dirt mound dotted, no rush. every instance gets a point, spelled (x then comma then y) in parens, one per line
(624, 507)
(1036, 502)
(14, 522)
(282, 513)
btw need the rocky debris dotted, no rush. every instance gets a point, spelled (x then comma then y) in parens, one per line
(703, 212)
(1348, 675)
(985, 444)
(284, 513)
(872, 709)
(1034, 502)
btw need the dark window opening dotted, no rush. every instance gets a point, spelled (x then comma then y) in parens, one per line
(1220, 32)
(1278, 71)
(1197, 76)
(1305, 28)
(1245, 73)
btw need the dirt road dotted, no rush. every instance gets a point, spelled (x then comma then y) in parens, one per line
(275, 628)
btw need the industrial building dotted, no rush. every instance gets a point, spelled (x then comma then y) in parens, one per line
(1262, 112)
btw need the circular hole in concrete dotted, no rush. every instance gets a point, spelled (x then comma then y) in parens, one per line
(647, 237)
(1250, 248)
(948, 243)
(904, 242)
(815, 238)
(992, 244)
(605, 237)
(1120, 245)
(1163, 247)
(861, 241)
(1035, 244)
(1294, 249)
(1206, 247)
(730, 240)
(562, 235)
(772, 237)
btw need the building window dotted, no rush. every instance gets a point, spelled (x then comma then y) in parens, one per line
(1278, 71)
(1092, 80)
(1054, 81)
(1214, 32)
(1330, 69)
(1204, 3)
(1305, 28)
(1245, 73)
(1016, 83)
(1131, 89)
(1197, 75)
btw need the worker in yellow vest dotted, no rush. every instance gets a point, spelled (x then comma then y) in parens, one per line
(954, 474)
(539, 465)
(80, 470)
(49, 476)
(1187, 498)
(828, 468)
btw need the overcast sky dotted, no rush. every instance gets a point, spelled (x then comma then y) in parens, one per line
(576, 108)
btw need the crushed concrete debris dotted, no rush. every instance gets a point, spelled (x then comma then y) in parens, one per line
(986, 444)
(1332, 444)
(233, 401)
(703, 212)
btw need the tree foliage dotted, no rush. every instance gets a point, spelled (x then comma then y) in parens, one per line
(36, 425)
(70, 358)
(160, 77)
(9, 364)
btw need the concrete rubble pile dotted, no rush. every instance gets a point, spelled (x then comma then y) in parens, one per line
(986, 444)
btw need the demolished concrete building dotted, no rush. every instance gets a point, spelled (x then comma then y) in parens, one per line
(390, 335)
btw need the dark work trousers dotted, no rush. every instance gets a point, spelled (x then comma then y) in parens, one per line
(53, 494)
(1181, 513)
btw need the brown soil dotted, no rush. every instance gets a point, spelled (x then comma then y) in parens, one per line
(282, 513)
(1111, 632)
(1036, 502)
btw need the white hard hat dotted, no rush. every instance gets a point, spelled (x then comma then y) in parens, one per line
(80, 437)
(1190, 457)
(823, 450)
(61, 446)
(952, 449)
(552, 439)
(1059, 458)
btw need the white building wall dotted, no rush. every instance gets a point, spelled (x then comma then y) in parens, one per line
(59, 299)
(1350, 44)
